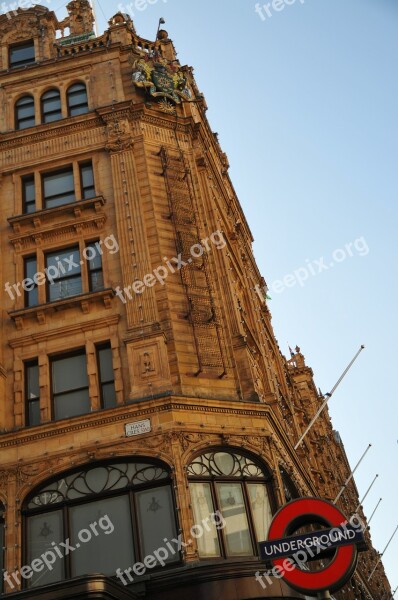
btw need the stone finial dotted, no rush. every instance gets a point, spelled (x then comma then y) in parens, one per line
(80, 17)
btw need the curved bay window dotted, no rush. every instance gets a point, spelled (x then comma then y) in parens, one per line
(240, 489)
(112, 515)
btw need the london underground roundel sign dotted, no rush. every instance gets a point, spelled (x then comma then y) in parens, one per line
(286, 552)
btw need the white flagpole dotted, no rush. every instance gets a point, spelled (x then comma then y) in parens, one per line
(382, 554)
(328, 396)
(363, 499)
(351, 475)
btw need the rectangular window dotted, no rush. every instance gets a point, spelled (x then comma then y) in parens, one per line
(28, 194)
(32, 393)
(106, 376)
(43, 531)
(30, 287)
(22, 54)
(87, 180)
(236, 531)
(202, 504)
(70, 386)
(94, 267)
(105, 553)
(156, 520)
(64, 278)
(58, 188)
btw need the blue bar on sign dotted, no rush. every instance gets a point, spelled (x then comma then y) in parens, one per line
(320, 541)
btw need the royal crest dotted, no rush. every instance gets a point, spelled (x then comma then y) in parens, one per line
(161, 79)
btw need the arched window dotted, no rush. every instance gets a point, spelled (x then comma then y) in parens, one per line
(77, 99)
(239, 488)
(25, 112)
(51, 106)
(290, 490)
(112, 515)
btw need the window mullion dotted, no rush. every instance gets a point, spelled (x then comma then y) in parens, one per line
(220, 532)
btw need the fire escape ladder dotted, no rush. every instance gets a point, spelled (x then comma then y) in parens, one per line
(203, 313)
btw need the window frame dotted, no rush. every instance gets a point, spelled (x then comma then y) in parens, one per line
(26, 43)
(30, 177)
(18, 120)
(104, 346)
(70, 93)
(34, 362)
(82, 165)
(44, 113)
(62, 356)
(212, 480)
(35, 286)
(54, 172)
(63, 276)
(288, 485)
(131, 490)
(90, 271)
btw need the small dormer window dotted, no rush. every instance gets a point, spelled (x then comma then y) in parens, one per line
(22, 54)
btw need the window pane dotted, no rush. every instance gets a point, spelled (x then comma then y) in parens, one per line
(42, 530)
(34, 412)
(30, 269)
(202, 505)
(65, 288)
(237, 536)
(66, 274)
(67, 262)
(69, 373)
(51, 106)
(22, 54)
(260, 509)
(71, 404)
(87, 174)
(105, 361)
(77, 99)
(57, 183)
(28, 194)
(108, 395)
(32, 381)
(96, 281)
(105, 552)
(156, 520)
(94, 258)
(25, 112)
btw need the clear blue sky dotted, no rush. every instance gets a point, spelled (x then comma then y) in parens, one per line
(305, 103)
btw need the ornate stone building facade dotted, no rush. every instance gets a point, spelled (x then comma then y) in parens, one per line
(142, 387)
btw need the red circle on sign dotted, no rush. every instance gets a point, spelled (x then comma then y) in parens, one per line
(342, 566)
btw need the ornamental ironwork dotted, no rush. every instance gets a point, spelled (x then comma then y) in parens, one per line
(96, 480)
(225, 464)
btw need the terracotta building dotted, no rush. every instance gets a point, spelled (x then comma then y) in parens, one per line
(147, 413)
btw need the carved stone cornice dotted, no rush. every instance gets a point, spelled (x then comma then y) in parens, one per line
(45, 132)
(64, 331)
